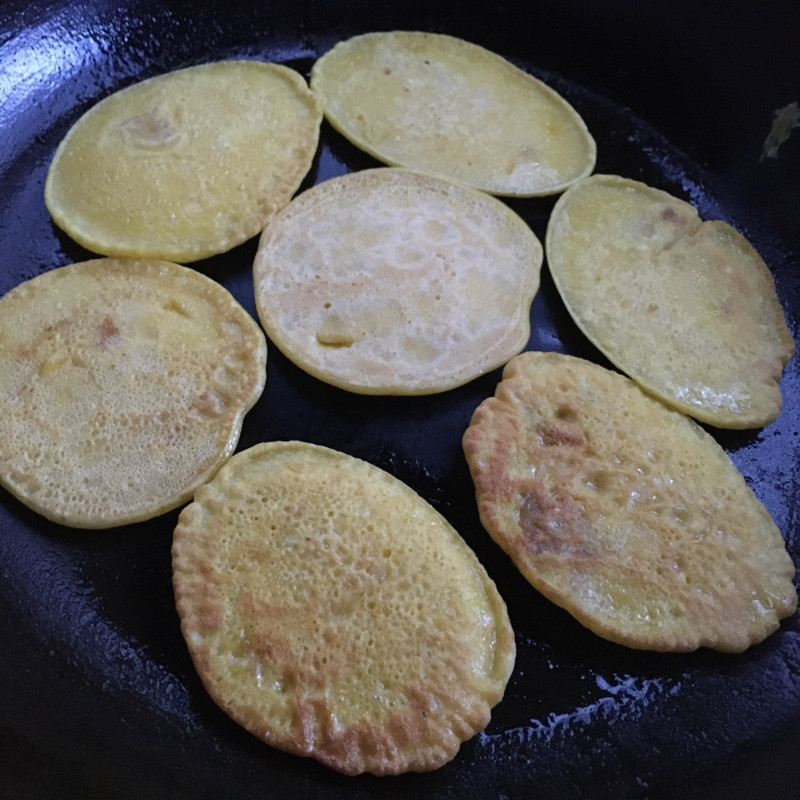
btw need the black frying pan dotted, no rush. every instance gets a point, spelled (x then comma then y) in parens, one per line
(98, 698)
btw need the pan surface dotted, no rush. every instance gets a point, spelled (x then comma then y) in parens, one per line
(98, 697)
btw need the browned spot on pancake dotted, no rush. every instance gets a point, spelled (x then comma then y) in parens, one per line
(107, 333)
(567, 411)
(209, 403)
(669, 214)
(556, 434)
(548, 524)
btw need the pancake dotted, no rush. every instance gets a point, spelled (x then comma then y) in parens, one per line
(187, 164)
(125, 384)
(686, 308)
(388, 281)
(442, 105)
(334, 614)
(625, 512)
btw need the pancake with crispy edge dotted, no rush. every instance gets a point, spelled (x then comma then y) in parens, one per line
(335, 614)
(625, 512)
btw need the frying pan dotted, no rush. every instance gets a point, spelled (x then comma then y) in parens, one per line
(98, 697)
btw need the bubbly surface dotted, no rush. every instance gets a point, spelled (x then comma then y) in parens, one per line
(624, 512)
(335, 614)
(125, 384)
(445, 106)
(187, 164)
(686, 308)
(388, 281)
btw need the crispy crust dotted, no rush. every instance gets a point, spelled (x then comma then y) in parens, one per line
(334, 614)
(623, 512)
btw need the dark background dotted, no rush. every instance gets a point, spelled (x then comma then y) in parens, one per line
(98, 697)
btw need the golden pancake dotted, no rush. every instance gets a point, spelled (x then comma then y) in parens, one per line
(439, 104)
(187, 164)
(686, 308)
(625, 512)
(334, 614)
(388, 281)
(125, 384)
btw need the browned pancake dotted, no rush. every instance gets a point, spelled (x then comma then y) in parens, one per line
(335, 614)
(624, 512)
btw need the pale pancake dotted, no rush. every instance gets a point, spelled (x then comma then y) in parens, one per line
(335, 614)
(125, 384)
(187, 164)
(624, 512)
(388, 281)
(686, 308)
(443, 105)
